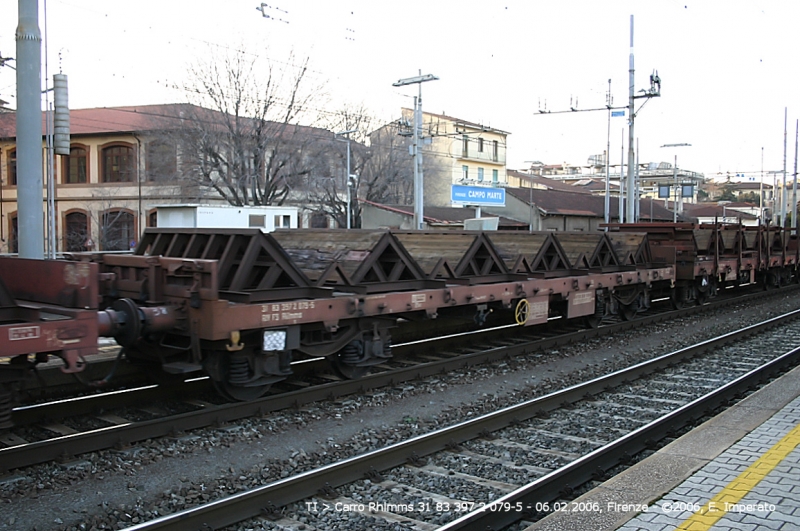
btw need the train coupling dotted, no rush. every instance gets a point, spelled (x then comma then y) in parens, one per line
(126, 322)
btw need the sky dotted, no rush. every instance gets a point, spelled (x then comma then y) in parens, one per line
(728, 68)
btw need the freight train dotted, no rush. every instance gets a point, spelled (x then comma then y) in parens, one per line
(240, 305)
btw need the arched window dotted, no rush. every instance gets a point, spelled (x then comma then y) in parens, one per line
(152, 218)
(12, 168)
(117, 230)
(118, 164)
(76, 232)
(161, 161)
(75, 166)
(13, 233)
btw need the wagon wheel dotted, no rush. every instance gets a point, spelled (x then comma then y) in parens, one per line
(702, 297)
(627, 312)
(679, 298)
(6, 401)
(349, 372)
(345, 361)
(594, 320)
(238, 393)
(229, 371)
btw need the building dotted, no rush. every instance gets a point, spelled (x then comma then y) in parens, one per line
(123, 162)
(742, 191)
(560, 210)
(526, 209)
(460, 152)
(586, 184)
(104, 187)
(377, 216)
(723, 212)
(658, 180)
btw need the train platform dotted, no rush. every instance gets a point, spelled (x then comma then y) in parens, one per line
(737, 471)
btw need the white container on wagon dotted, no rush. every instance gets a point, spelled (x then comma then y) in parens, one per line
(266, 218)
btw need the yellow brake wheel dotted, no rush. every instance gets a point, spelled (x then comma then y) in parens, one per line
(522, 311)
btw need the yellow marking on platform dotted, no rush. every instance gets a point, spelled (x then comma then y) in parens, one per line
(737, 489)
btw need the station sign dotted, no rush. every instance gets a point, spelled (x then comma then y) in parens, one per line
(477, 195)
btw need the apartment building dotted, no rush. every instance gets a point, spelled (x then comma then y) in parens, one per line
(458, 152)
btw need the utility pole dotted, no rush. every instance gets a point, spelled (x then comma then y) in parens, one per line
(346, 134)
(29, 132)
(637, 205)
(675, 182)
(653, 92)
(629, 185)
(794, 185)
(761, 191)
(416, 148)
(783, 189)
(621, 204)
(607, 203)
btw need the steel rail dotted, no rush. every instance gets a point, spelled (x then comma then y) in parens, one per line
(239, 507)
(122, 435)
(502, 512)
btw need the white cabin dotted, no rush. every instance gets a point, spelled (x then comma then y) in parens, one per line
(266, 218)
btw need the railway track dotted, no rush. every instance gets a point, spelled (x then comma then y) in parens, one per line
(63, 429)
(518, 463)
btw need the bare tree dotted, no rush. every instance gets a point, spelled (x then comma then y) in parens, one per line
(327, 189)
(379, 160)
(389, 176)
(244, 139)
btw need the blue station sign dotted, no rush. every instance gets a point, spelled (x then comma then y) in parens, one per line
(477, 195)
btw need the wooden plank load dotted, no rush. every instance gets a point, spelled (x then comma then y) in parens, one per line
(364, 261)
(455, 257)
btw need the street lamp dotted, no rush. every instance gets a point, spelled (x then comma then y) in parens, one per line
(416, 151)
(347, 179)
(678, 191)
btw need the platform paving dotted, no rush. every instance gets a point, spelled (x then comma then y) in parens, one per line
(739, 470)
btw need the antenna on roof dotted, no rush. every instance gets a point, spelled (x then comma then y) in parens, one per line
(264, 7)
(541, 110)
(573, 108)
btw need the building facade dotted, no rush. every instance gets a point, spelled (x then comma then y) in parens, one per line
(106, 188)
(123, 162)
(657, 180)
(459, 152)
